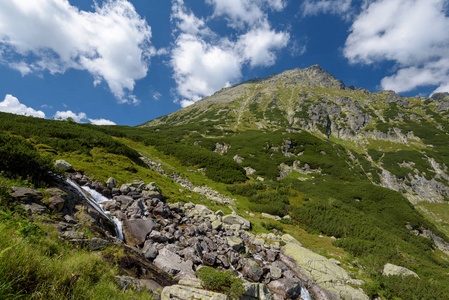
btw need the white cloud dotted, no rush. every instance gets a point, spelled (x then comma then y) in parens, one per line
(204, 62)
(342, 8)
(64, 115)
(157, 96)
(413, 34)
(12, 105)
(112, 43)
(245, 12)
(101, 122)
(258, 45)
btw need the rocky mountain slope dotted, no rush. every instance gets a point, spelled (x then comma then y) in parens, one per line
(293, 181)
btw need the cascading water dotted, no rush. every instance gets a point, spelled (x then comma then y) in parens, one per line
(95, 199)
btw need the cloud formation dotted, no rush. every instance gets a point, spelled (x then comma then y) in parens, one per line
(342, 8)
(204, 62)
(80, 118)
(413, 34)
(101, 122)
(112, 43)
(12, 105)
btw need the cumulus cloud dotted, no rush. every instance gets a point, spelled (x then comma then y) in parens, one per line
(112, 42)
(342, 8)
(12, 105)
(204, 62)
(101, 122)
(413, 34)
(258, 45)
(64, 115)
(80, 118)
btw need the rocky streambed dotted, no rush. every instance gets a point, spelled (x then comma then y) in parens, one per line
(179, 238)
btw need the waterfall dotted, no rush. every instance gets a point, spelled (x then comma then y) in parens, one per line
(95, 199)
(305, 293)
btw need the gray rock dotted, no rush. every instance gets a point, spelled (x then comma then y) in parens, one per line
(124, 189)
(252, 270)
(149, 250)
(111, 183)
(135, 231)
(157, 236)
(26, 194)
(70, 235)
(172, 263)
(235, 242)
(256, 291)
(97, 244)
(390, 269)
(275, 272)
(236, 219)
(63, 165)
(185, 292)
(210, 258)
(288, 288)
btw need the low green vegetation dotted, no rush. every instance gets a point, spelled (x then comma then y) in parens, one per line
(221, 282)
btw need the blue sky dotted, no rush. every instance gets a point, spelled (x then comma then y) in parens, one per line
(129, 61)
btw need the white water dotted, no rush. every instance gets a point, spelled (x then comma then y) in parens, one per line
(95, 199)
(305, 294)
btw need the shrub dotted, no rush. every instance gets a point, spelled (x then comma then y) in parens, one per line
(222, 282)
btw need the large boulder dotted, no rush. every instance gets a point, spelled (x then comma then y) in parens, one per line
(186, 292)
(252, 270)
(233, 219)
(328, 278)
(135, 231)
(57, 199)
(173, 264)
(391, 270)
(26, 194)
(63, 165)
(288, 288)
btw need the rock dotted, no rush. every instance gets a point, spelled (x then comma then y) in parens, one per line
(223, 260)
(124, 189)
(71, 235)
(97, 244)
(63, 165)
(123, 200)
(252, 270)
(153, 194)
(26, 194)
(287, 238)
(236, 219)
(156, 236)
(320, 271)
(149, 250)
(235, 242)
(34, 208)
(203, 210)
(268, 216)
(275, 272)
(111, 183)
(135, 231)
(390, 269)
(192, 282)
(172, 263)
(210, 259)
(257, 291)
(217, 224)
(184, 292)
(286, 287)
(127, 282)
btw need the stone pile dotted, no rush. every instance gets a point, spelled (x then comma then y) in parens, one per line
(181, 237)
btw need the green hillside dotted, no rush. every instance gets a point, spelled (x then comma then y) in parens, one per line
(362, 175)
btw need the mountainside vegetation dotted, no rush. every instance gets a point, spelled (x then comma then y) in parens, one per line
(363, 177)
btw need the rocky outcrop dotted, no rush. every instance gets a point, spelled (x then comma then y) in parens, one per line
(63, 165)
(328, 276)
(390, 269)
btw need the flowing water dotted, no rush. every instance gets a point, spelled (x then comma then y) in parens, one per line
(95, 199)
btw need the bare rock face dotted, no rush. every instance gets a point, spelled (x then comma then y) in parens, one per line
(172, 263)
(135, 230)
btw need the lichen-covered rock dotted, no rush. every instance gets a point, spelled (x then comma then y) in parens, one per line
(236, 219)
(172, 263)
(180, 292)
(390, 269)
(319, 270)
(111, 183)
(235, 242)
(289, 288)
(257, 291)
(63, 165)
